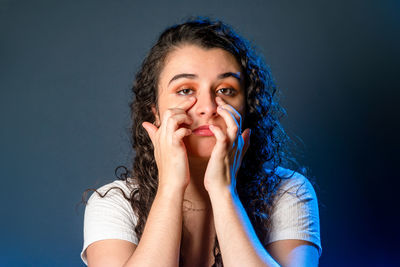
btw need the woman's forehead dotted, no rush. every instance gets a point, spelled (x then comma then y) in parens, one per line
(193, 59)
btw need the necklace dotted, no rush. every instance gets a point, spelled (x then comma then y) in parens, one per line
(193, 209)
(189, 208)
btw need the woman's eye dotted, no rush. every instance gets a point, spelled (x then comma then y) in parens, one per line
(227, 91)
(185, 91)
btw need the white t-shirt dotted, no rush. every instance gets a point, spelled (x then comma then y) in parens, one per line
(294, 215)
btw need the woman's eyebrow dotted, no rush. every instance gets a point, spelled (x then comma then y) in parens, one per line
(194, 76)
(183, 75)
(230, 74)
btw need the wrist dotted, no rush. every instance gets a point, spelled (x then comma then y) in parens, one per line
(223, 191)
(170, 191)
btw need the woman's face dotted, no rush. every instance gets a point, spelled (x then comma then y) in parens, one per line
(191, 70)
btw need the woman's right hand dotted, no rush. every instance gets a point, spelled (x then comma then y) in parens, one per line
(169, 149)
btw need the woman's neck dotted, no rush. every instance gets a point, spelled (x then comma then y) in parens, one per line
(196, 196)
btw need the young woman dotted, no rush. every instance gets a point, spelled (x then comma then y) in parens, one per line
(207, 186)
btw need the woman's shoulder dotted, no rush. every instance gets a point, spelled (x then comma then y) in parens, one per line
(126, 185)
(293, 182)
(295, 212)
(109, 209)
(117, 191)
(109, 214)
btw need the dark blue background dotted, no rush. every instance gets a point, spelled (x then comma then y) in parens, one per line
(66, 68)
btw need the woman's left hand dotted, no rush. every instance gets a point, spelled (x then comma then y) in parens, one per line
(228, 152)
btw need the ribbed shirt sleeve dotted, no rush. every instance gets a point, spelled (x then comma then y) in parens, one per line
(295, 212)
(110, 217)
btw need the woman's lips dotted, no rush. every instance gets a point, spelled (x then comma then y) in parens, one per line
(203, 131)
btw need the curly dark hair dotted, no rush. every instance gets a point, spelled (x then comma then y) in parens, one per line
(256, 184)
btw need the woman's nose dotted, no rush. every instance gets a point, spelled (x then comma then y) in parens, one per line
(205, 105)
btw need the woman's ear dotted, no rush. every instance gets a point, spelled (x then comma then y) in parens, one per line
(156, 115)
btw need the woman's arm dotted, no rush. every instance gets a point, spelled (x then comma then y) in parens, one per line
(238, 241)
(240, 245)
(160, 242)
(294, 252)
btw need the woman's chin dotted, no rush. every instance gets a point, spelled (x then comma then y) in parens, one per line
(199, 147)
(199, 155)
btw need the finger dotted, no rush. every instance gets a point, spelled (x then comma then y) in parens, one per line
(174, 121)
(182, 132)
(180, 108)
(246, 139)
(222, 141)
(150, 129)
(236, 114)
(187, 103)
(232, 124)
